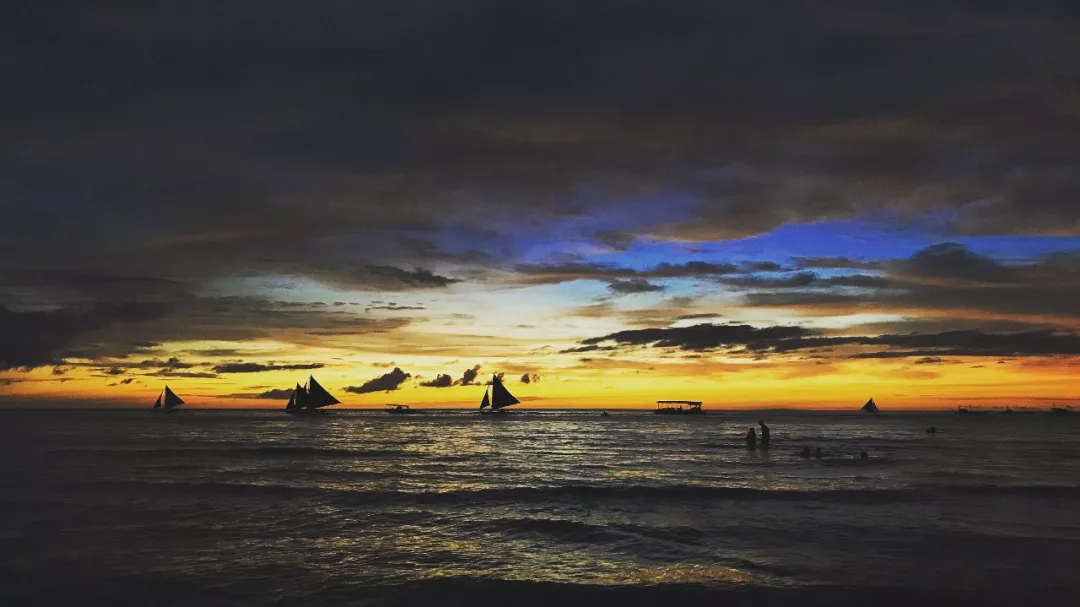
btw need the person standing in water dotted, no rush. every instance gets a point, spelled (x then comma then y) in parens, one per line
(764, 433)
(751, 438)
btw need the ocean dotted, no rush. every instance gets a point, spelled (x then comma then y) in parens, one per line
(119, 507)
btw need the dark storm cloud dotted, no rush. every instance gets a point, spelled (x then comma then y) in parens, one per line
(928, 348)
(239, 319)
(762, 266)
(633, 286)
(469, 377)
(699, 337)
(553, 273)
(842, 263)
(949, 343)
(276, 394)
(89, 282)
(941, 278)
(481, 105)
(441, 381)
(614, 239)
(387, 382)
(589, 348)
(394, 308)
(954, 263)
(418, 278)
(36, 338)
(186, 374)
(801, 280)
(214, 140)
(242, 367)
(530, 378)
(698, 316)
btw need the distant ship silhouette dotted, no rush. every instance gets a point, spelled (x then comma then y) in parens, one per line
(309, 398)
(167, 401)
(500, 397)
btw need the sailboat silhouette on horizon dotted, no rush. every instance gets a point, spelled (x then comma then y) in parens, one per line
(167, 401)
(310, 398)
(500, 397)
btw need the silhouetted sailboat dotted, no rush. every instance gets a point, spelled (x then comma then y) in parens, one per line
(310, 398)
(167, 400)
(870, 406)
(500, 397)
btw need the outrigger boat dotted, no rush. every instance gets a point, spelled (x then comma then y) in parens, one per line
(678, 407)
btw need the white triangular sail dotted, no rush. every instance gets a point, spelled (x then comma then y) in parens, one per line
(500, 396)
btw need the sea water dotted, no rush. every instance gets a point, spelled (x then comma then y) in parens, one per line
(205, 507)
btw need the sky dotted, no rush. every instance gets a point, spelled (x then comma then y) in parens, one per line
(751, 204)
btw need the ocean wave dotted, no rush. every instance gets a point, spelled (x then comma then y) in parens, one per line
(585, 493)
(482, 591)
(232, 452)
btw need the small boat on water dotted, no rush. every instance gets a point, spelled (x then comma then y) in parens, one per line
(1056, 410)
(962, 410)
(499, 399)
(678, 407)
(310, 398)
(870, 406)
(395, 409)
(167, 401)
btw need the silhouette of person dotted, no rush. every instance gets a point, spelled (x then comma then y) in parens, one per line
(764, 433)
(931, 430)
(805, 454)
(863, 455)
(751, 438)
(817, 453)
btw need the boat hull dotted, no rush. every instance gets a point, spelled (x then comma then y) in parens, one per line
(678, 412)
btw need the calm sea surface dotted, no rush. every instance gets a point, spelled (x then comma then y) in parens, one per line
(254, 508)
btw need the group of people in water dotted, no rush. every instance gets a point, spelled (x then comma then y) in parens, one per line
(752, 442)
